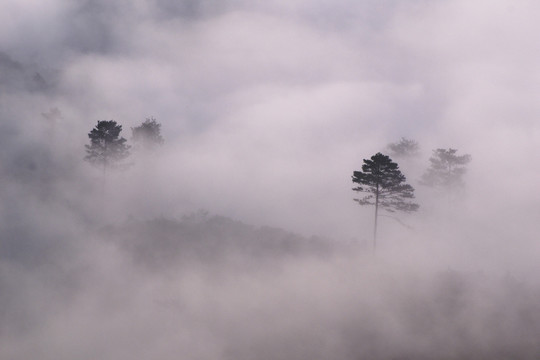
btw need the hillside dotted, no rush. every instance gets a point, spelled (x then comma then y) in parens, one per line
(212, 240)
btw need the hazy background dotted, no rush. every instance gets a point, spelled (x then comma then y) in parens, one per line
(266, 109)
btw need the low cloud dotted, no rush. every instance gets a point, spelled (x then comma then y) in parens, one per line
(266, 110)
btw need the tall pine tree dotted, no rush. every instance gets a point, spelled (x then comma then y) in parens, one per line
(385, 187)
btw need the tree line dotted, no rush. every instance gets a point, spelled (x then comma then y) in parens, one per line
(384, 185)
(108, 149)
(381, 181)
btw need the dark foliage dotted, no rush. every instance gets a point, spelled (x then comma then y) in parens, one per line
(107, 149)
(385, 185)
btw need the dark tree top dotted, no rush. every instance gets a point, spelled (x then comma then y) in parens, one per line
(106, 147)
(384, 185)
(446, 169)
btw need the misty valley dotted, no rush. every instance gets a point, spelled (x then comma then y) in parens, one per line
(88, 271)
(269, 180)
(210, 287)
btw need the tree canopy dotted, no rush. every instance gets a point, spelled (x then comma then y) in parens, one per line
(446, 169)
(384, 184)
(404, 148)
(107, 148)
(148, 134)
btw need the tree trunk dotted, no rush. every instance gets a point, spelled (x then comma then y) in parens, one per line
(104, 179)
(376, 218)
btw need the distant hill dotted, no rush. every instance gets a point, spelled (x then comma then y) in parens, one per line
(212, 239)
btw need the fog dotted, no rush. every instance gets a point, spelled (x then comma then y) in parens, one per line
(239, 237)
